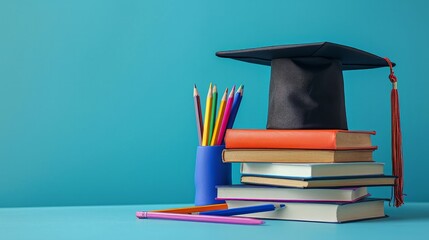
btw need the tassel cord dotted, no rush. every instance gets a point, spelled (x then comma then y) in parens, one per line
(397, 157)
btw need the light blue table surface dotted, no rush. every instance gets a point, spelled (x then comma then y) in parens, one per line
(119, 222)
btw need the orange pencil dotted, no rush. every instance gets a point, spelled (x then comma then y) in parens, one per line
(193, 209)
(219, 118)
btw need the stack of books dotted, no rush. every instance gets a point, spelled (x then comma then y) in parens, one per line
(321, 175)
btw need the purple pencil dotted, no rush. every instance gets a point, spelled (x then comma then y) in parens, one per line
(199, 218)
(198, 114)
(226, 117)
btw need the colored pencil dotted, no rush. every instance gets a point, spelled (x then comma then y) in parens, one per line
(225, 117)
(198, 218)
(220, 113)
(198, 115)
(235, 106)
(194, 209)
(207, 115)
(213, 114)
(244, 210)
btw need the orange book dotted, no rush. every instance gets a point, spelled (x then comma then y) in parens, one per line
(325, 139)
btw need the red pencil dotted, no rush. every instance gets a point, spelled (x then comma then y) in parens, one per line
(226, 117)
(198, 115)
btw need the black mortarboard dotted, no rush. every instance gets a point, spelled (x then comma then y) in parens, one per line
(307, 89)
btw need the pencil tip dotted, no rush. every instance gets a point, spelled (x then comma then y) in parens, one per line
(231, 94)
(225, 94)
(195, 90)
(240, 89)
(210, 90)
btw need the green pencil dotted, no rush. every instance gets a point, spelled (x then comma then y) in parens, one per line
(213, 115)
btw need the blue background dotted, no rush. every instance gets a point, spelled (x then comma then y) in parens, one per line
(96, 96)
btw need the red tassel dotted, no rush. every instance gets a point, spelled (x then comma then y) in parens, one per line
(397, 161)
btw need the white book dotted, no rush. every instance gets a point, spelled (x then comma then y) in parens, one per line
(269, 193)
(318, 212)
(312, 170)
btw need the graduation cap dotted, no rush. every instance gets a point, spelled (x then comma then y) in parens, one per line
(307, 88)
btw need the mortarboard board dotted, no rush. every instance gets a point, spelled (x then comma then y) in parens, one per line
(307, 89)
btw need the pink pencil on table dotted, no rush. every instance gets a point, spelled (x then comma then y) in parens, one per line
(199, 218)
(226, 117)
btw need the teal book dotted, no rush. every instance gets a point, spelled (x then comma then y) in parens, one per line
(312, 170)
(318, 211)
(269, 193)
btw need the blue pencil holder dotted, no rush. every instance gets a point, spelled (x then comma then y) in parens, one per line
(210, 172)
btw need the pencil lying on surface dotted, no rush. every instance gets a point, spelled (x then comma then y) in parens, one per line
(198, 218)
(244, 210)
(198, 114)
(194, 209)
(219, 118)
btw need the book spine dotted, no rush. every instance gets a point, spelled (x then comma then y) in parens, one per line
(305, 139)
(278, 139)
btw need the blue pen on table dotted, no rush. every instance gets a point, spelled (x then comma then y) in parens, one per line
(244, 210)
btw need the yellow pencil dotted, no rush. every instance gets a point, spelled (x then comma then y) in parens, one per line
(219, 118)
(207, 117)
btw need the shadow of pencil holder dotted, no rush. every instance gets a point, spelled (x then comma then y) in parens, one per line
(210, 172)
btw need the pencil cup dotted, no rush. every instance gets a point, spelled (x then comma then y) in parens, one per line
(210, 172)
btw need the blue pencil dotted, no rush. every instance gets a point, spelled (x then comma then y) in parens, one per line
(244, 210)
(235, 105)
